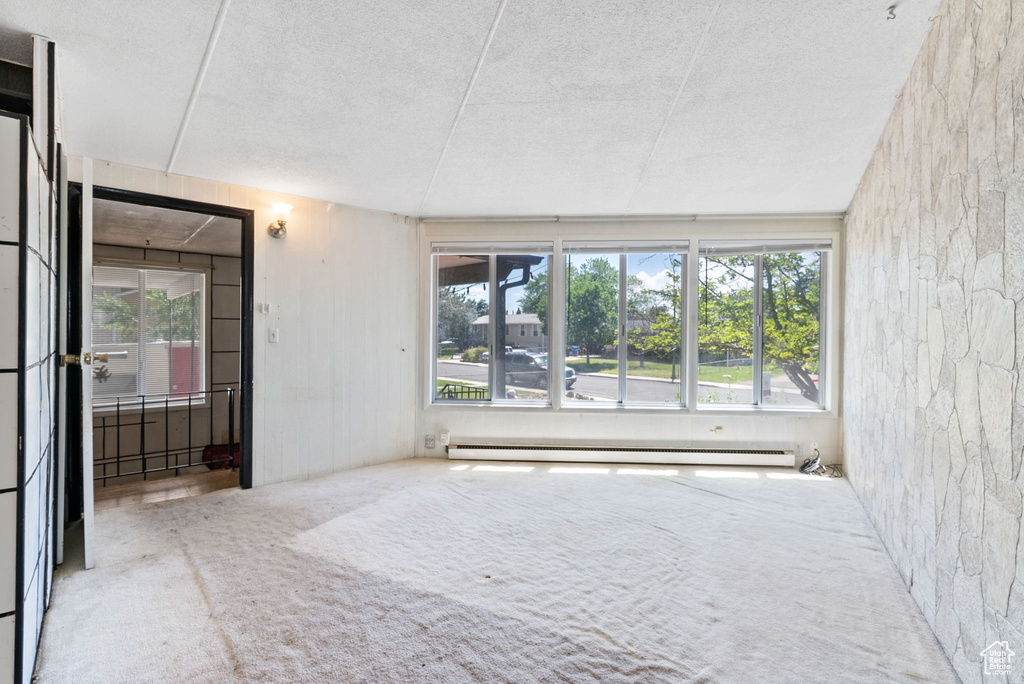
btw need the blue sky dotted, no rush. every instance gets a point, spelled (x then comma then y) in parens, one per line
(652, 269)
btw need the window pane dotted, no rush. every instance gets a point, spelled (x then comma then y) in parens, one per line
(522, 305)
(115, 331)
(463, 328)
(174, 317)
(653, 317)
(591, 327)
(791, 296)
(170, 358)
(726, 329)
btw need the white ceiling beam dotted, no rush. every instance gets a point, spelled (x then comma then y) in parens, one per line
(197, 86)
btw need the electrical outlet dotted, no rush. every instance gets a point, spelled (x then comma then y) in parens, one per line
(814, 447)
(430, 441)
(445, 438)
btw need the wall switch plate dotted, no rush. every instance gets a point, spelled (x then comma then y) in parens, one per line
(429, 442)
(273, 335)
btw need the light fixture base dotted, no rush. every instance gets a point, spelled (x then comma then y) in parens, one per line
(278, 228)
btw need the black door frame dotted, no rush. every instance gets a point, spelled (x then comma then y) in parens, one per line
(247, 217)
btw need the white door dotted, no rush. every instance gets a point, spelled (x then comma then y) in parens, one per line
(85, 367)
(76, 361)
(62, 349)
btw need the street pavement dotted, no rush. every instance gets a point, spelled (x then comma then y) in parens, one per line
(605, 387)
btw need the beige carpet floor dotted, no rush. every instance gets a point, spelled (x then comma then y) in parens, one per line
(439, 571)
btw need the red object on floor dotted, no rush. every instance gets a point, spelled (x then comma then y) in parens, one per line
(222, 454)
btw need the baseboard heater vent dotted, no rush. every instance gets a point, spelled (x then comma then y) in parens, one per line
(622, 454)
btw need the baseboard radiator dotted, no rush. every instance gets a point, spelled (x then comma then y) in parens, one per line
(622, 454)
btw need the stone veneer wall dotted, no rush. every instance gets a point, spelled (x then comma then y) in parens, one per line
(934, 331)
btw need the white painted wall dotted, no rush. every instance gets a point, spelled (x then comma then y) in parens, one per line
(633, 426)
(339, 389)
(348, 383)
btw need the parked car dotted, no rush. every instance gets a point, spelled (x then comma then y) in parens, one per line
(570, 374)
(486, 356)
(523, 368)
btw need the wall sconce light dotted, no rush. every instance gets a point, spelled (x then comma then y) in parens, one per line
(279, 226)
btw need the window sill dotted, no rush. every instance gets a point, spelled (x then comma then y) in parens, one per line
(531, 405)
(723, 409)
(602, 407)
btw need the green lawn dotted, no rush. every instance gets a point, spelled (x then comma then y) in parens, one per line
(733, 374)
(452, 383)
(651, 369)
(660, 369)
(519, 390)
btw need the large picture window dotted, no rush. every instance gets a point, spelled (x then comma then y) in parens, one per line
(151, 324)
(637, 327)
(623, 323)
(759, 322)
(491, 325)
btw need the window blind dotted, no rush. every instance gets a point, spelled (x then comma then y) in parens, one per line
(492, 248)
(631, 247)
(737, 247)
(152, 324)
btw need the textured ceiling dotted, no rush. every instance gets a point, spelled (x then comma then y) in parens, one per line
(488, 107)
(135, 225)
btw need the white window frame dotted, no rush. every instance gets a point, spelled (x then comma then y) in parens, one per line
(622, 249)
(101, 406)
(758, 249)
(747, 231)
(491, 250)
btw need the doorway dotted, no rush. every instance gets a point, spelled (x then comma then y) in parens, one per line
(171, 329)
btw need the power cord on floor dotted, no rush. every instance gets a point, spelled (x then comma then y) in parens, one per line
(813, 466)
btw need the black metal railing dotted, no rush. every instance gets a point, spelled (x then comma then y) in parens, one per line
(461, 392)
(132, 411)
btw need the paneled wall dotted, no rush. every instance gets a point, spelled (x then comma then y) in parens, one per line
(338, 390)
(934, 427)
(223, 294)
(28, 394)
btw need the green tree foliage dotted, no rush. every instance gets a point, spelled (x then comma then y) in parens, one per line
(117, 315)
(592, 304)
(455, 316)
(792, 310)
(535, 299)
(791, 295)
(179, 319)
(658, 312)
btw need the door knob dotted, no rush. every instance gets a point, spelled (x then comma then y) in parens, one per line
(85, 359)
